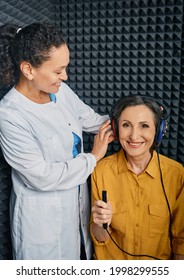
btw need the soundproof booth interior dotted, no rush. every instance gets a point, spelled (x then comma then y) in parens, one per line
(117, 48)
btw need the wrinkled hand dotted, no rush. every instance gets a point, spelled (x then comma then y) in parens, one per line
(102, 212)
(101, 140)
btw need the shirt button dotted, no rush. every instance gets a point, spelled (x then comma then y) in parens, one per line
(136, 243)
(137, 225)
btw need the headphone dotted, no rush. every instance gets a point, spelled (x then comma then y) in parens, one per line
(134, 100)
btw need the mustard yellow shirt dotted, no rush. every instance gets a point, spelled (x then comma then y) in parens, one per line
(140, 221)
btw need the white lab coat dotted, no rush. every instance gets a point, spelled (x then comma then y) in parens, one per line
(37, 141)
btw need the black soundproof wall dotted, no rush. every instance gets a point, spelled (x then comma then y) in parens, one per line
(123, 47)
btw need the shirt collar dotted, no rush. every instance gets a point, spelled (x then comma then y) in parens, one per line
(151, 169)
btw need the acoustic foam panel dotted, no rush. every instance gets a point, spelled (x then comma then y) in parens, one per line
(127, 47)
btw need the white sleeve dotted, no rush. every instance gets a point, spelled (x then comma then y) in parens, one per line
(90, 120)
(23, 154)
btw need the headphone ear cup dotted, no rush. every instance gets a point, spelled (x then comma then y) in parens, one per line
(114, 128)
(160, 132)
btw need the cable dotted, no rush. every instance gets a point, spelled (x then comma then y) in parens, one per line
(127, 252)
(169, 208)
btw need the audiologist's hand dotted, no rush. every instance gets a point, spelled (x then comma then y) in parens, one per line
(101, 140)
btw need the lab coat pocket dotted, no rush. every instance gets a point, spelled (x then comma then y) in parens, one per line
(58, 148)
(159, 219)
(119, 218)
(40, 219)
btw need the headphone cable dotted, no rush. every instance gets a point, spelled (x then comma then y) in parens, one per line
(166, 198)
(127, 252)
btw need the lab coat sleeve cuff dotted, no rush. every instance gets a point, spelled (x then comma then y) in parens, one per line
(89, 155)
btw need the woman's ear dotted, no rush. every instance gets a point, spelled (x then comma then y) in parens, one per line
(26, 70)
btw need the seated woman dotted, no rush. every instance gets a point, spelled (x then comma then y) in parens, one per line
(145, 190)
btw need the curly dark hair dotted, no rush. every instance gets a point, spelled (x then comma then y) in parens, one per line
(32, 43)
